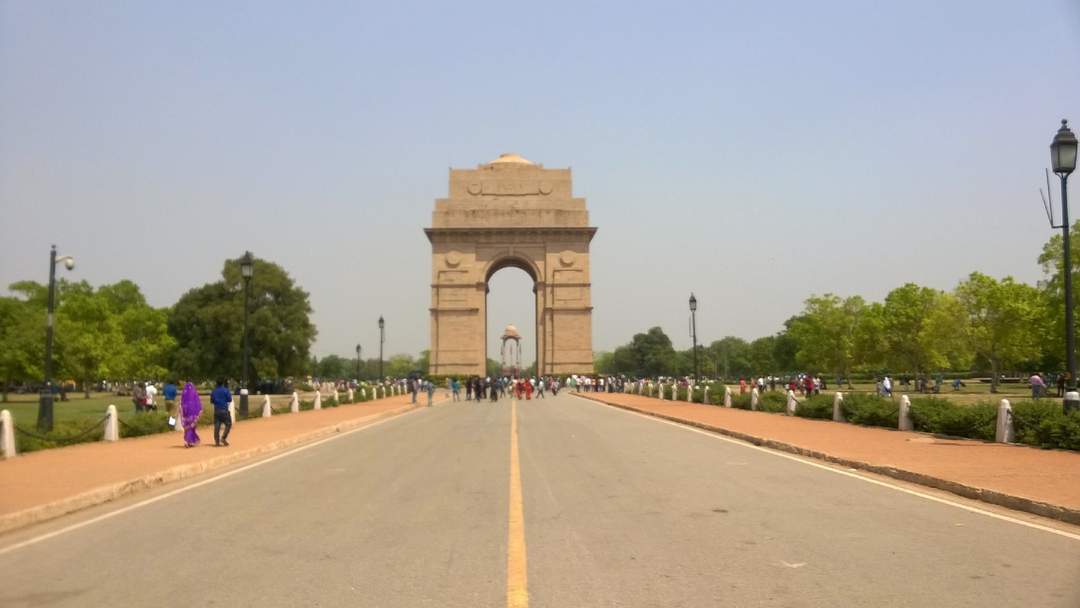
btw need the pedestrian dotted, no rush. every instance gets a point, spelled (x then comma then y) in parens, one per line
(540, 389)
(886, 385)
(455, 389)
(151, 392)
(169, 392)
(138, 397)
(221, 398)
(430, 391)
(1037, 386)
(190, 410)
(1061, 385)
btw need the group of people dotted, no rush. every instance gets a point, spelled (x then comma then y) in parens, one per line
(488, 388)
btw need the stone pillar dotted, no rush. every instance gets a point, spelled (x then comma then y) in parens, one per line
(318, 401)
(7, 435)
(294, 403)
(727, 396)
(792, 403)
(837, 407)
(112, 424)
(905, 423)
(755, 399)
(267, 410)
(1005, 432)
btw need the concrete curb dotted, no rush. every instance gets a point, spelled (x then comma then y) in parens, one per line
(109, 493)
(1009, 501)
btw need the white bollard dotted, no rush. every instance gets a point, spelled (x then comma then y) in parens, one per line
(112, 424)
(690, 393)
(351, 395)
(1005, 431)
(7, 434)
(232, 411)
(792, 403)
(755, 399)
(336, 399)
(705, 396)
(660, 390)
(267, 410)
(294, 403)
(837, 407)
(318, 401)
(905, 424)
(727, 396)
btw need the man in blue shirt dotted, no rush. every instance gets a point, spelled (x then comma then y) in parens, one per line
(221, 397)
(169, 391)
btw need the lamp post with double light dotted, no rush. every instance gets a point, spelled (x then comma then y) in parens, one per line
(45, 403)
(247, 270)
(1063, 162)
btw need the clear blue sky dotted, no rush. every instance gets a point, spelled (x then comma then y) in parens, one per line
(754, 153)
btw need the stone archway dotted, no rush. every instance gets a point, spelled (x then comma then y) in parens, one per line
(510, 212)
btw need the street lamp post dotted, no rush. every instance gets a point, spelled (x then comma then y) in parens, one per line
(358, 363)
(1063, 161)
(382, 339)
(247, 269)
(45, 404)
(693, 332)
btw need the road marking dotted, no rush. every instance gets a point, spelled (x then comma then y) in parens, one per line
(847, 473)
(150, 501)
(517, 590)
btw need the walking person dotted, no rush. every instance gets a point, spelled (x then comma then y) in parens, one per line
(1038, 386)
(430, 386)
(455, 389)
(138, 397)
(169, 392)
(221, 398)
(190, 410)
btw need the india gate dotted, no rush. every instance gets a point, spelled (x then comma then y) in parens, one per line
(510, 212)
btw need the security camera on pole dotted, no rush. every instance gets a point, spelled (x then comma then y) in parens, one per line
(45, 404)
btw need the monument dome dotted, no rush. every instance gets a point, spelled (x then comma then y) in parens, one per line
(511, 159)
(511, 332)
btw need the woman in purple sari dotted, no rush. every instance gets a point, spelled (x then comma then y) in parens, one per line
(190, 408)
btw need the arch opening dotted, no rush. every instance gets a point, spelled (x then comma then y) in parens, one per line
(510, 300)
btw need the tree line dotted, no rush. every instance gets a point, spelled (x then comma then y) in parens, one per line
(982, 325)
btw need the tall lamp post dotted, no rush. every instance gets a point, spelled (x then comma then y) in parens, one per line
(382, 339)
(358, 363)
(693, 332)
(247, 269)
(45, 404)
(1063, 161)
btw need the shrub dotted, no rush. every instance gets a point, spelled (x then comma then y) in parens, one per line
(149, 423)
(975, 421)
(774, 402)
(741, 401)
(680, 393)
(716, 393)
(67, 432)
(1044, 424)
(870, 410)
(817, 407)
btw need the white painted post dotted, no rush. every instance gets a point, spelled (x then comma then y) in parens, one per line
(351, 394)
(905, 423)
(112, 424)
(792, 403)
(727, 396)
(294, 403)
(1005, 431)
(660, 389)
(837, 409)
(689, 392)
(232, 411)
(267, 410)
(7, 434)
(336, 399)
(755, 398)
(318, 401)
(705, 396)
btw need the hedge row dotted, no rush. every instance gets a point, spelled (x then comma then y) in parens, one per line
(1037, 423)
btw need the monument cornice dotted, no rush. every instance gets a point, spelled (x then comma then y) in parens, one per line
(465, 231)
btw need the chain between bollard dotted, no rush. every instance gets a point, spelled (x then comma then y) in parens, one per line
(63, 440)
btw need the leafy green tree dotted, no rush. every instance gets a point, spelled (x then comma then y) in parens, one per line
(761, 355)
(1001, 320)
(604, 362)
(827, 333)
(400, 366)
(336, 367)
(923, 329)
(22, 335)
(207, 323)
(732, 355)
(1053, 287)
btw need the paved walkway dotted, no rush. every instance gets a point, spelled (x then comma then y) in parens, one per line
(1045, 482)
(48, 483)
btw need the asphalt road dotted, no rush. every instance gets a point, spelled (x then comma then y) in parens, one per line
(619, 510)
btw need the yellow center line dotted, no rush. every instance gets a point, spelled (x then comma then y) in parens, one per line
(517, 591)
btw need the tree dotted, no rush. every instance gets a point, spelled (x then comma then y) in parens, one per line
(732, 356)
(1001, 316)
(336, 367)
(207, 323)
(604, 362)
(827, 333)
(923, 329)
(1053, 287)
(22, 335)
